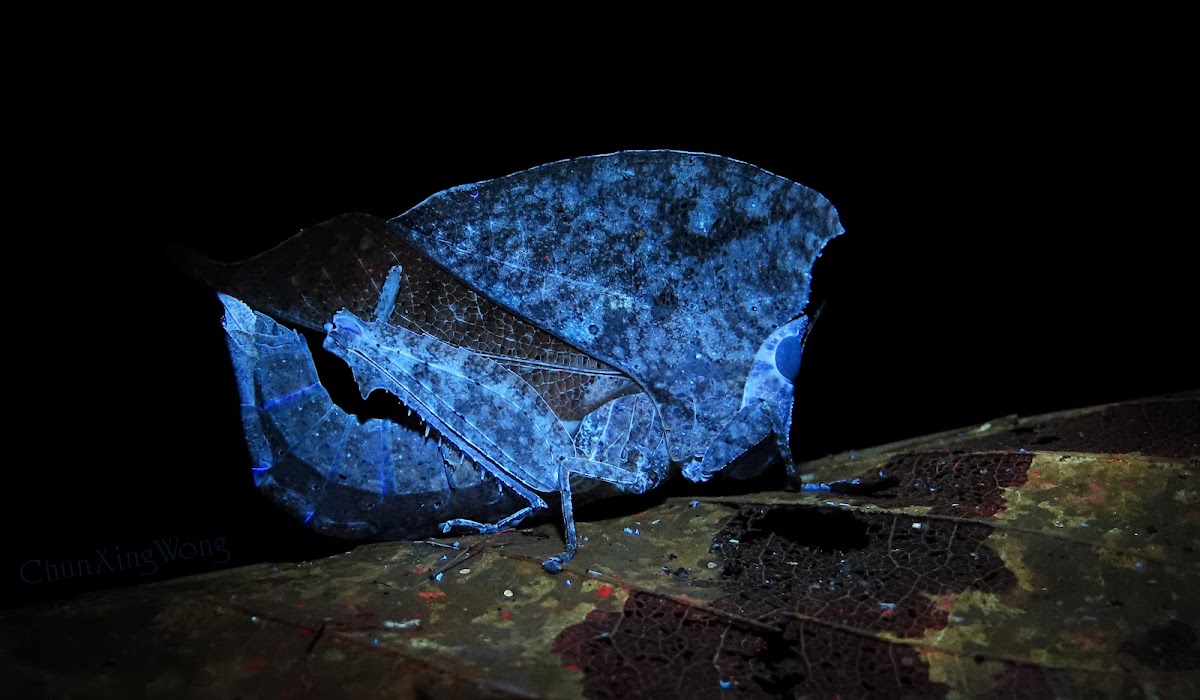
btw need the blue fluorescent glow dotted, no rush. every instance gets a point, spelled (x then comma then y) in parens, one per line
(287, 398)
(339, 453)
(743, 246)
(385, 459)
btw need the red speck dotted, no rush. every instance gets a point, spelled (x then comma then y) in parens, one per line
(253, 665)
(420, 569)
(604, 591)
(1097, 494)
(1114, 459)
(572, 667)
(1036, 473)
(432, 595)
(304, 631)
(945, 602)
(1126, 484)
(887, 613)
(299, 605)
(506, 614)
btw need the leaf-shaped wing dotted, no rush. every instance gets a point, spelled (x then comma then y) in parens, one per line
(673, 267)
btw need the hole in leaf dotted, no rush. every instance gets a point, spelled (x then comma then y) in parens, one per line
(814, 528)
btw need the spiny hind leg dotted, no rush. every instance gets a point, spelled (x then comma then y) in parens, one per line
(535, 504)
(383, 314)
(491, 528)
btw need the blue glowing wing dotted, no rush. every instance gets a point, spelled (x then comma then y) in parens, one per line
(675, 268)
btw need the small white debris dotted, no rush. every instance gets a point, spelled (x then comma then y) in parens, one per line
(508, 593)
(712, 564)
(464, 571)
(916, 526)
(393, 625)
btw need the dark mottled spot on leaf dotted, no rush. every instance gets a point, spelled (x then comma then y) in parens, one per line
(659, 648)
(810, 594)
(1167, 427)
(825, 530)
(887, 574)
(1170, 646)
(950, 483)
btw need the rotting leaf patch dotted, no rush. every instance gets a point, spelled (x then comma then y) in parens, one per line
(814, 593)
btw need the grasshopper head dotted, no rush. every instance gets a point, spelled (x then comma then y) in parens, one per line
(766, 408)
(346, 330)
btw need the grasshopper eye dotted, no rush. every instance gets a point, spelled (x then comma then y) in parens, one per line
(776, 366)
(787, 358)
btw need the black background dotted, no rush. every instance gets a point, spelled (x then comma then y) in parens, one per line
(1009, 248)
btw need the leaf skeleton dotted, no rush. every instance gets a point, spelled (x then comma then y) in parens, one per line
(595, 323)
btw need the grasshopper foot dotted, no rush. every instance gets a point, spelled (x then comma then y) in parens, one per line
(554, 564)
(481, 528)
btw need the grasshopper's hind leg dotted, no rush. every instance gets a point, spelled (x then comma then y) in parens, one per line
(490, 528)
(535, 504)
